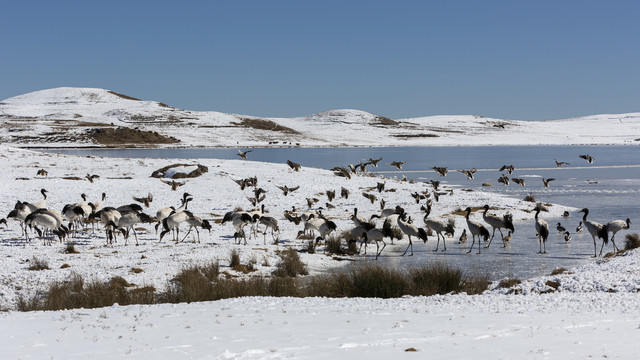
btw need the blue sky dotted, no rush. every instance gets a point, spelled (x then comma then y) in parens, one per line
(528, 60)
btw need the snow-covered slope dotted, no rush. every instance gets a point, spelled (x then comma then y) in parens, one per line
(64, 116)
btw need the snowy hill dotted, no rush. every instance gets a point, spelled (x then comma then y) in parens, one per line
(82, 116)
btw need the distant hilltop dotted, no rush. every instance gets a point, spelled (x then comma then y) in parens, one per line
(84, 117)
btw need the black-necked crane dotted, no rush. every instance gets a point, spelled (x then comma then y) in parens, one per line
(476, 229)
(269, 222)
(323, 226)
(74, 214)
(385, 213)
(60, 228)
(256, 214)
(378, 236)
(127, 223)
(19, 213)
(239, 220)
(411, 230)
(48, 222)
(164, 212)
(360, 221)
(542, 230)
(613, 227)
(595, 229)
(97, 205)
(397, 164)
(497, 222)
(439, 227)
(589, 158)
(108, 216)
(129, 208)
(172, 223)
(196, 222)
(42, 204)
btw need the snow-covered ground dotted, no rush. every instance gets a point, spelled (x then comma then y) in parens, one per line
(593, 313)
(62, 116)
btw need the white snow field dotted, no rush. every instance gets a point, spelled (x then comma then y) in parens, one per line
(593, 313)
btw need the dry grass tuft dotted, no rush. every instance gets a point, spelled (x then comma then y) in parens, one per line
(70, 248)
(291, 265)
(631, 241)
(37, 264)
(509, 283)
(560, 270)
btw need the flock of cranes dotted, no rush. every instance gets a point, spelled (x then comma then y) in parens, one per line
(49, 223)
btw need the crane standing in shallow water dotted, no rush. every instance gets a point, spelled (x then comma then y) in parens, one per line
(497, 222)
(476, 229)
(542, 230)
(410, 230)
(439, 226)
(595, 229)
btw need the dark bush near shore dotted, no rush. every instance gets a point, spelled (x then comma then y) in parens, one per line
(205, 283)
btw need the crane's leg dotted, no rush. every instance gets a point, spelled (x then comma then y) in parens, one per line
(188, 231)
(410, 245)
(384, 244)
(473, 237)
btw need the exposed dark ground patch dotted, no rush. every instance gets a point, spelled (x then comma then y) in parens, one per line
(122, 135)
(269, 125)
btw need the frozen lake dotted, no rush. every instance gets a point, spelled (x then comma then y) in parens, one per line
(609, 187)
